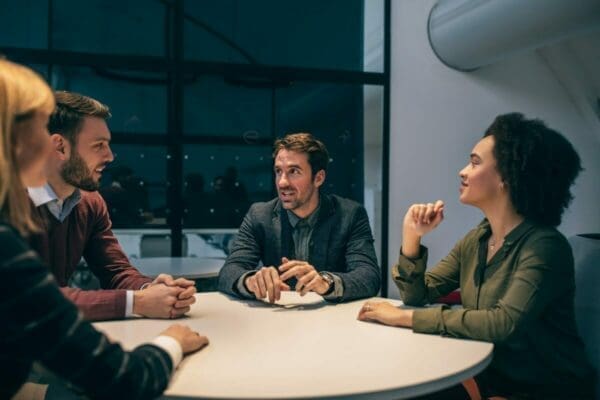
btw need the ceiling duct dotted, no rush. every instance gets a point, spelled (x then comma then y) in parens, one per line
(469, 34)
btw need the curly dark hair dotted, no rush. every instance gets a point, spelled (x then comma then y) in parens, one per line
(538, 164)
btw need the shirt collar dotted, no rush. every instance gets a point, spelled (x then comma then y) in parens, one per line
(45, 195)
(310, 220)
(521, 229)
(41, 195)
(485, 231)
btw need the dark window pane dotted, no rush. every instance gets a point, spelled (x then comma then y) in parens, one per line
(334, 114)
(24, 23)
(135, 107)
(222, 181)
(300, 33)
(112, 27)
(39, 68)
(216, 106)
(134, 186)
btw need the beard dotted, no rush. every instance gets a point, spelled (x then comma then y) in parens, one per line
(299, 201)
(76, 173)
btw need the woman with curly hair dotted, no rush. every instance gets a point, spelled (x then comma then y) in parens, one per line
(514, 270)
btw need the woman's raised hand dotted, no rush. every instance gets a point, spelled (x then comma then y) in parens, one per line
(420, 219)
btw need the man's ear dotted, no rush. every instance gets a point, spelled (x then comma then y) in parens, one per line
(62, 147)
(320, 178)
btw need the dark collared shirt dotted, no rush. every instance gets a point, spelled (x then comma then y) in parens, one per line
(521, 300)
(302, 229)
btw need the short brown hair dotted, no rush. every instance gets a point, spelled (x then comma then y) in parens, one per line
(318, 157)
(71, 109)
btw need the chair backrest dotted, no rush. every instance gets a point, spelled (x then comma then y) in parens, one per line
(159, 245)
(586, 250)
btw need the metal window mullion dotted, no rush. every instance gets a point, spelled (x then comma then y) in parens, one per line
(175, 132)
(385, 198)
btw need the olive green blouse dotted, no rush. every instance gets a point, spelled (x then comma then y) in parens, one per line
(521, 300)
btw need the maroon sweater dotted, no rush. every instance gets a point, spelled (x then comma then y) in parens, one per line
(87, 232)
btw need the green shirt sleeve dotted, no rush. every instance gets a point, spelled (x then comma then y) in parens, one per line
(418, 287)
(540, 271)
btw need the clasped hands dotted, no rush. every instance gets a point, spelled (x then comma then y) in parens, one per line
(270, 281)
(165, 297)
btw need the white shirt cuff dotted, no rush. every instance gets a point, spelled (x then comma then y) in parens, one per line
(129, 304)
(171, 346)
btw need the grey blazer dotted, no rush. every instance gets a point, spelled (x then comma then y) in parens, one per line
(341, 243)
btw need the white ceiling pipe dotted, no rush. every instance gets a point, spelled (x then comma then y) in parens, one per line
(468, 34)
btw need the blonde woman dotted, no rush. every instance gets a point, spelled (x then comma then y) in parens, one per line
(38, 323)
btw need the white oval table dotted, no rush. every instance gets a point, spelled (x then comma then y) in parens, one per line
(305, 348)
(186, 267)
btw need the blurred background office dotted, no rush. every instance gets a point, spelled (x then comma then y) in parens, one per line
(198, 92)
(399, 90)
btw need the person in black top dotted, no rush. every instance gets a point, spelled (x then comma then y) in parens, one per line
(38, 323)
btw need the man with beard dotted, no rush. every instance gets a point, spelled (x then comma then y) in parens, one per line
(76, 222)
(306, 240)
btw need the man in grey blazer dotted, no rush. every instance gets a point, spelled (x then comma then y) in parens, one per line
(305, 240)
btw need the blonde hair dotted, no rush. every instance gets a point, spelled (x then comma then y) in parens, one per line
(22, 93)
